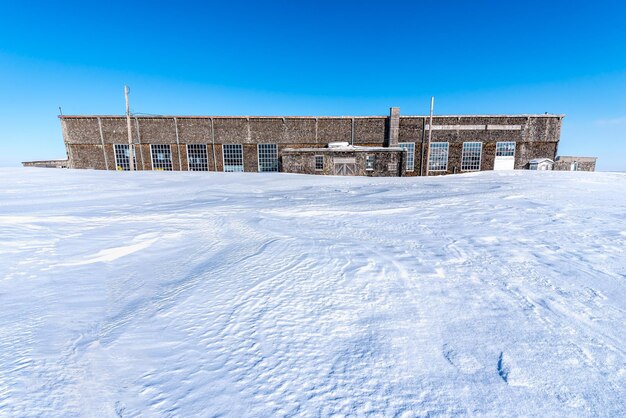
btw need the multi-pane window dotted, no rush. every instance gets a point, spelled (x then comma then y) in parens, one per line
(197, 157)
(438, 160)
(369, 162)
(410, 155)
(470, 157)
(233, 157)
(319, 162)
(161, 157)
(505, 149)
(122, 160)
(268, 157)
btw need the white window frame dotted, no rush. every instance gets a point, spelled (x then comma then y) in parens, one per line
(152, 148)
(506, 142)
(275, 169)
(117, 162)
(410, 156)
(369, 158)
(471, 166)
(432, 155)
(224, 158)
(206, 162)
(315, 157)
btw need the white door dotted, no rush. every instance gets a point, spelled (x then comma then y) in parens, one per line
(505, 156)
(345, 169)
(504, 163)
(345, 166)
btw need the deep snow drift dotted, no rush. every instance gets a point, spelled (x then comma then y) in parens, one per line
(181, 294)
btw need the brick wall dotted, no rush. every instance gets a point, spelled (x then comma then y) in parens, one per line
(88, 139)
(386, 163)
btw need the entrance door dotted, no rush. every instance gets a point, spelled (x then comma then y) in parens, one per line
(504, 163)
(505, 156)
(345, 166)
(345, 169)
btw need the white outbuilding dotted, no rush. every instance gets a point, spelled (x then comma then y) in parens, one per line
(541, 164)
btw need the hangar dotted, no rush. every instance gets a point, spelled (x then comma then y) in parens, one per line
(390, 145)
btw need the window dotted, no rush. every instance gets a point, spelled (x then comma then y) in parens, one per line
(161, 157)
(574, 166)
(505, 149)
(268, 157)
(319, 162)
(470, 157)
(197, 158)
(369, 162)
(233, 157)
(438, 160)
(122, 161)
(410, 155)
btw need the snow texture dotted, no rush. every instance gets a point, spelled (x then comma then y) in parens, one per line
(212, 294)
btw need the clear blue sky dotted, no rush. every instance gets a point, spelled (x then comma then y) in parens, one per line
(314, 58)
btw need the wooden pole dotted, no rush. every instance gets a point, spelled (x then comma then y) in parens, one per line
(430, 130)
(180, 160)
(131, 162)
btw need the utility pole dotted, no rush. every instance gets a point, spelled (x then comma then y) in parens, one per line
(430, 130)
(131, 163)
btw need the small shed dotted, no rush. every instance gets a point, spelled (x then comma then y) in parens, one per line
(541, 164)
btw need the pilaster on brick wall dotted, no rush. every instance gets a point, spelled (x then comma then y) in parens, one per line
(394, 126)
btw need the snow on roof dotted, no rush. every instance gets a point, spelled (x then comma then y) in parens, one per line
(540, 160)
(348, 148)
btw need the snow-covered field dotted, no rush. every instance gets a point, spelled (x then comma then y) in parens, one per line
(210, 294)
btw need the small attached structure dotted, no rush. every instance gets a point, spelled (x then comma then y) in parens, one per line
(541, 164)
(46, 163)
(569, 163)
(342, 159)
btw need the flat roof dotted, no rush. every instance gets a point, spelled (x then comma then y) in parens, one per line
(350, 148)
(572, 158)
(543, 115)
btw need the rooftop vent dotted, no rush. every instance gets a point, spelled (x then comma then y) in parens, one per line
(338, 144)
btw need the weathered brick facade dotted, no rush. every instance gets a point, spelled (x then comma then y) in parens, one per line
(90, 140)
(386, 162)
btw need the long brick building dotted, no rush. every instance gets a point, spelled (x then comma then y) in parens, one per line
(361, 145)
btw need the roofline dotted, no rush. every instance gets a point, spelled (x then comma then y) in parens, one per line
(213, 117)
(529, 115)
(344, 149)
(575, 157)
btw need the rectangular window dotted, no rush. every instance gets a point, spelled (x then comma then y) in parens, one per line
(410, 155)
(319, 162)
(268, 157)
(438, 160)
(369, 162)
(122, 161)
(470, 157)
(161, 157)
(197, 158)
(233, 157)
(505, 149)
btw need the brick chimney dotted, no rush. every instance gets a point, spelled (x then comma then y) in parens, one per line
(394, 126)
